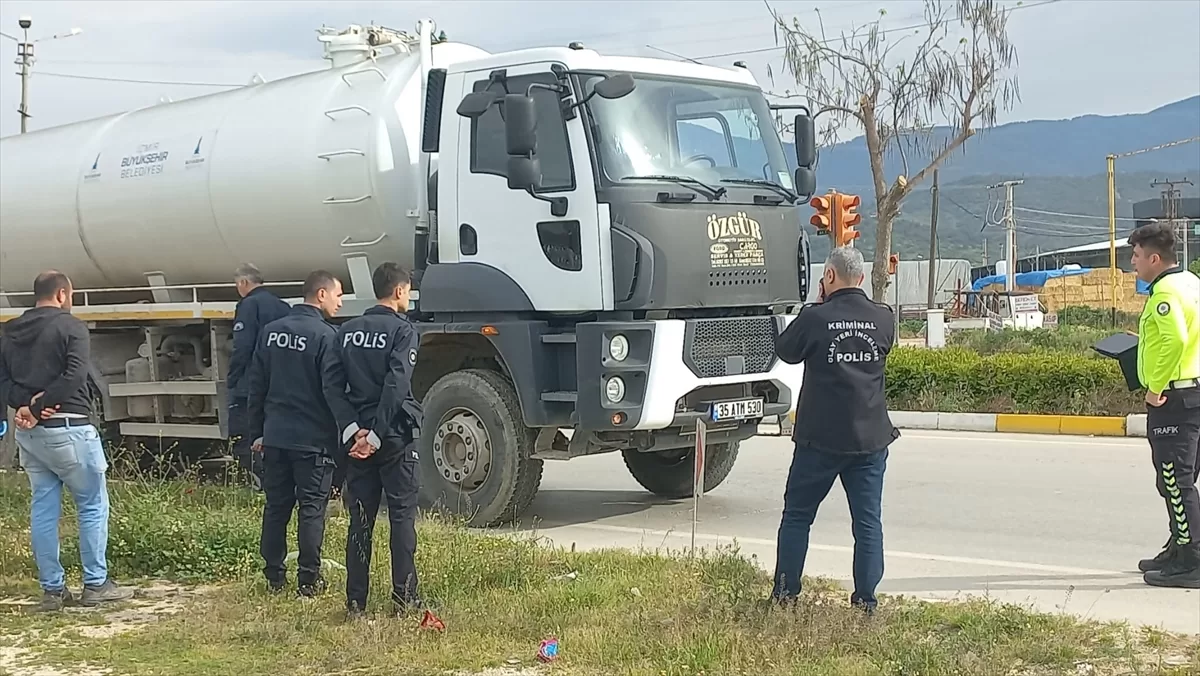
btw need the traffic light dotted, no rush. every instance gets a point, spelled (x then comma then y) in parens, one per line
(823, 219)
(845, 219)
(893, 263)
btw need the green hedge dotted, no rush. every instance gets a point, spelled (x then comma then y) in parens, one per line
(1041, 381)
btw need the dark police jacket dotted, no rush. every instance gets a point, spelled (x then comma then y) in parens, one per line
(843, 344)
(259, 308)
(297, 389)
(379, 352)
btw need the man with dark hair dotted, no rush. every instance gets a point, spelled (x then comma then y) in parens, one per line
(300, 420)
(1169, 368)
(44, 357)
(256, 308)
(379, 353)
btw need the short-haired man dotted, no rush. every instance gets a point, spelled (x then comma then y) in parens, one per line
(44, 357)
(297, 406)
(256, 308)
(842, 425)
(379, 353)
(1169, 368)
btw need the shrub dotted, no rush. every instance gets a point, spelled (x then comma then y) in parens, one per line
(1037, 381)
(1072, 340)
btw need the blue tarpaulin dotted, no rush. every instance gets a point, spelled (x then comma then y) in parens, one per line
(1039, 278)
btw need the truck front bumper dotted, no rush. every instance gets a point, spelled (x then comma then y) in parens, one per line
(676, 369)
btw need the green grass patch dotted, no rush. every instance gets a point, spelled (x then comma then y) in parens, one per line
(614, 612)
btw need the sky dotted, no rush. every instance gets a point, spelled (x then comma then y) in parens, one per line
(1076, 57)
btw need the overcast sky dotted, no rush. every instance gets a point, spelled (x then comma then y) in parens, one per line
(1076, 56)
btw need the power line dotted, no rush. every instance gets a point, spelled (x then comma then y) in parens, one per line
(1075, 226)
(763, 50)
(133, 81)
(1060, 213)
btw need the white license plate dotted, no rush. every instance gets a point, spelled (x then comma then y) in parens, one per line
(740, 409)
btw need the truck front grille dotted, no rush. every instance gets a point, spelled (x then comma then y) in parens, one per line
(734, 346)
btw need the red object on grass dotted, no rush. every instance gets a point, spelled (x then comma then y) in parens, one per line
(431, 621)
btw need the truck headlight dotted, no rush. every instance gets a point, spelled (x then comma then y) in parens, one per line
(618, 347)
(614, 389)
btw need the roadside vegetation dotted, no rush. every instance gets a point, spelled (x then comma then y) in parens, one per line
(204, 610)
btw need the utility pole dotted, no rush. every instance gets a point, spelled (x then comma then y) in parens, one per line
(933, 252)
(1010, 233)
(25, 60)
(1170, 208)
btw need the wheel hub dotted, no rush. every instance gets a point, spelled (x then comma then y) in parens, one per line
(462, 450)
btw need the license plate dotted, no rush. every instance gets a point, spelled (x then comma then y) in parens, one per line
(740, 409)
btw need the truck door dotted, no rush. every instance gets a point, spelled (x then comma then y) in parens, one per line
(557, 261)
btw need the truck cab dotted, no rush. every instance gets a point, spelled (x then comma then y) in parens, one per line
(621, 236)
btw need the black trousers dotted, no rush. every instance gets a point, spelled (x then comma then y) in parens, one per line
(294, 479)
(1174, 433)
(393, 471)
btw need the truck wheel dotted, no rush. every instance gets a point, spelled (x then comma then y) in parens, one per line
(669, 473)
(475, 449)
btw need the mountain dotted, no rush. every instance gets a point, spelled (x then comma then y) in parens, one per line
(1061, 161)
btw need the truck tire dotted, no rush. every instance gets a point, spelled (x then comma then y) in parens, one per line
(465, 411)
(669, 473)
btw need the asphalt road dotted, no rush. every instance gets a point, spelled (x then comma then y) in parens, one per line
(1058, 523)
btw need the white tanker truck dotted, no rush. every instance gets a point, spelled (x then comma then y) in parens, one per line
(604, 245)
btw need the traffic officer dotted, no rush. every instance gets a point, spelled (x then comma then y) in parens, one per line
(379, 353)
(256, 308)
(1169, 368)
(842, 426)
(297, 406)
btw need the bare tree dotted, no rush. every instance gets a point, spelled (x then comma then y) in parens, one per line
(924, 97)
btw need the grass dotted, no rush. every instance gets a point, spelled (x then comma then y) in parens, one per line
(613, 612)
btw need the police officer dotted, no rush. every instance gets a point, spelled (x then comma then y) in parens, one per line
(256, 308)
(297, 407)
(379, 352)
(1169, 368)
(842, 426)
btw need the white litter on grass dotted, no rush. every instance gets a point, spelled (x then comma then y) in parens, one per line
(292, 556)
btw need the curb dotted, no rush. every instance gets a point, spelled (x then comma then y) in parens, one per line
(1018, 423)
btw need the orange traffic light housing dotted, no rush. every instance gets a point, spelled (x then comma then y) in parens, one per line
(823, 219)
(893, 263)
(845, 218)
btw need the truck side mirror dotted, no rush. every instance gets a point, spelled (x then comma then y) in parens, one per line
(806, 181)
(805, 130)
(475, 104)
(614, 86)
(520, 124)
(524, 173)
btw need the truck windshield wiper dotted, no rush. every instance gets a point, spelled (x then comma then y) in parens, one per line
(713, 193)
(790, 196)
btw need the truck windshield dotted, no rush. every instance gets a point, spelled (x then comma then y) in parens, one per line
(694, 130)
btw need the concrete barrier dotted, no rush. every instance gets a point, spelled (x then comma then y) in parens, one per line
(967, 422)
(1135, 425)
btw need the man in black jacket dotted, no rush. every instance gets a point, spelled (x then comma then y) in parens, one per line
(842, 424)
(44, 356)
(379, 352)
(299, 419)
(257, 308)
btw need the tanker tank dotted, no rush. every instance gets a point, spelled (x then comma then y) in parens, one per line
(290, 175)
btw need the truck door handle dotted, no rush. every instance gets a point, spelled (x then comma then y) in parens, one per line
(348, 244)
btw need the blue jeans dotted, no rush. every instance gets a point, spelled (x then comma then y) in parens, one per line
(809, 480)
(74, 457)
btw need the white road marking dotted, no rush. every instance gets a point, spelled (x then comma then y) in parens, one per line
(965, 560)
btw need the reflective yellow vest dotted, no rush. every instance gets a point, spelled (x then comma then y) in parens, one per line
(1169, 331)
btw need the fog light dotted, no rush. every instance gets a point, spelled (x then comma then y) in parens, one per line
(618, 347)
(614, 389)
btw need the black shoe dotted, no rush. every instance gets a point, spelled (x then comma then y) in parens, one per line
(1182, 571)
(401, 607)
(276, 586)
(316, 588)
(52, 602)
(109, 592)
(1158, 562)
(354, 611)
